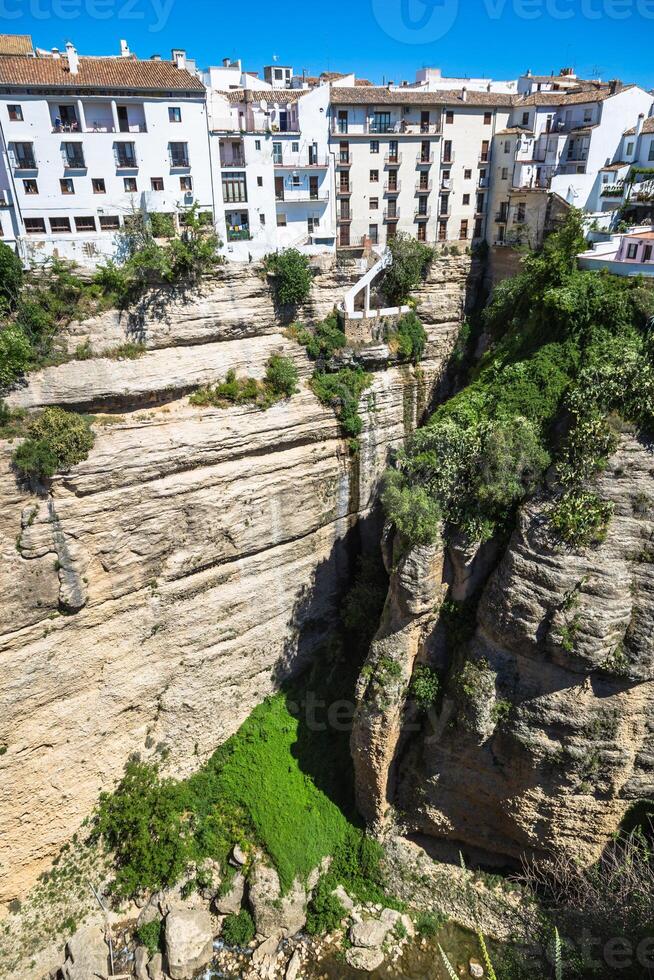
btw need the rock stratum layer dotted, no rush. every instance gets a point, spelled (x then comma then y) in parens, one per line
(550, 739)
(163, 587)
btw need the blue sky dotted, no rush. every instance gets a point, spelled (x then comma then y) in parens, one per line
(380, 39)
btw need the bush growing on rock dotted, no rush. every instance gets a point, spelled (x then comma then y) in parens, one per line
(323, 340)
(411, 261)
(325, 912)
(281, 376)
(238, 928)
(425, 686)
(292, 276)
(150, 934)
(410, 338)
(11, 276)
(342, 391)
(56, 440)
(16, 355)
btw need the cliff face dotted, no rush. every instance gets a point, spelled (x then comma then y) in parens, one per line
(550, 738)
(166, 585)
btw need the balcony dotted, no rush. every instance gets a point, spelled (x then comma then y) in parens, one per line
(446, 183)
(484, 159)
(445, 212)
(232, 162)
(502, 216)
(425, 187)
(25, 162)
(320, 198)
(392, 159)
(344, 217)
(424, 214)
(425, 160)
(179, 161)
(73, 158)
(391, 216)
(238, 235)
(344, 160)
(392, 189)
(344, 191)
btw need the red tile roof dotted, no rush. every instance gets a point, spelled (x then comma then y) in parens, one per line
(648, 127)
(116, 74)
(16, 44)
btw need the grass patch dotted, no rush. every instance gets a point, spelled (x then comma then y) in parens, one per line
(56, 440)
(342, 391)
(280, 382)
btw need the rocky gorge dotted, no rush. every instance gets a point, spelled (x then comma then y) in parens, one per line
(158, 593)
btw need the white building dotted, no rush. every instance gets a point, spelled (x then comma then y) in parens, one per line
(273, 173)
(628, 254)
(564, 143)
(413, 160)
(88, 141)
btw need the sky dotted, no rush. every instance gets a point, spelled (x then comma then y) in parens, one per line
(382, 40)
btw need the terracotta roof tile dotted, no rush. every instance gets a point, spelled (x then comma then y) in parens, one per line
(16, 44)
(648, 127)
(127, 74)
(569, 98)
(375, 95)
(280, 96)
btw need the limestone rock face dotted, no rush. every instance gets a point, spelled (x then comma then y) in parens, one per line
(87, 954)
(189, 942)
(163, 587)
(274, 914)
(557, 740)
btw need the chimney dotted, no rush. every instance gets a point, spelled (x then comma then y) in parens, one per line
(464, 94)
(615, 85)
(639, 124)
(179, 57)
(528, 73)
(73, 60)
(124, 49)
(55, 53)
(226, 62)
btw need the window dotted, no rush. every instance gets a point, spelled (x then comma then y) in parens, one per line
(373, 234)
(60, 226)
(97, 184)
(277, 152)
(85, 224)
(67, 186)
(449, 116)
(425, 150)
(295, 147)
(15, 113)
(23, 154)
(466, 199)
(505, 173)
(507, 146)
(257, 144)
(478, 229)
(381, 122)
(279, 74)
(73, 155)
(2, 233)
(109, 222)
(259, 181)
(234, 188)
(374, 146)
(484, 151)
(125, 154)
(174, 114)
(281, 220)
(344, 235)
(156, 183)
(374, 203)
(442, 231)
(422, 205)
(393, 152)
(651, 150)
(186, 183)
(391, 232)
(130, 185)
(178, 154)
(630, 149)
(30, 187)
(479, 206)
(482, 175)
(525, 118)
(521, 213)
(374, 176)
(632, 249)
(262, 219)
(422, 231)
(342, 121)
(447, 151)
(463, 230)
(35, 226)
(487, 118)
(647, 253)
(295, 180)
(467, 174)
(588, 115)
(312, 224)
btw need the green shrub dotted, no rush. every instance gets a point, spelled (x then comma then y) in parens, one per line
(150, 935)
(411, 261)
(281, 376)
(325, 912)
(342, 391)
(56, 440)
(580, 518)
(424, 687)
(16, 354)
(162, 225)
(410, 338)
(231, 391)
(11, 276)
(323, 340)
(292, 276)
(129, 351)
(413, 511)
(238, 928)
(428, 924)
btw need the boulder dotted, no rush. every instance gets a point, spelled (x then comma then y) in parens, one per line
(370, 933)
(141, 958)
(293, 966)
(155, 967)
(364, 959)
(239, 857)
(343, 897)
(86, 954)
(266, 950)
(273, 912)
(232, 900)
(475, 969)
(189, 942)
